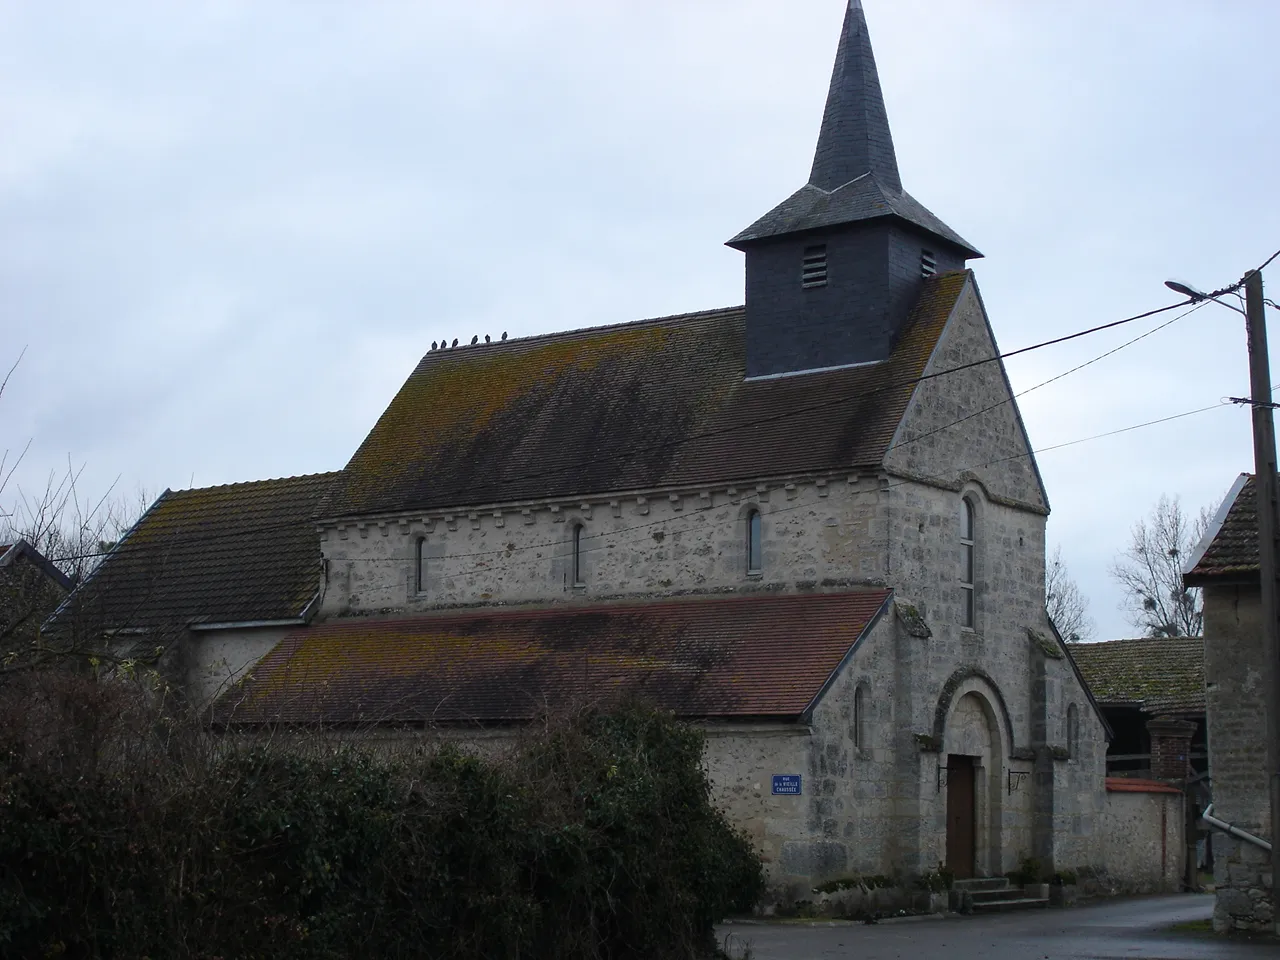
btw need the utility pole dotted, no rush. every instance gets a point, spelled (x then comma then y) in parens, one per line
(1264, 461)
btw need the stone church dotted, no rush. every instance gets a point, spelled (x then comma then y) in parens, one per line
(811, 524)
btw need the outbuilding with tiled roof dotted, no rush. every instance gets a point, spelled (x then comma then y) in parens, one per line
(1141, 679)
(1237, 662)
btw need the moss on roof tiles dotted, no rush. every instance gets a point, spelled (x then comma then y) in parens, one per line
(1233, 552)
(720, 656)
(1160, 675)
(234, 553)
(647, 404)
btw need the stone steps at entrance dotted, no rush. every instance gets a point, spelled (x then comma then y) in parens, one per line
(975, 884)
(1021, 903)
(992, 895)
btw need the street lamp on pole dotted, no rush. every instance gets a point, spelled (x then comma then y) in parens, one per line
(1189, 291)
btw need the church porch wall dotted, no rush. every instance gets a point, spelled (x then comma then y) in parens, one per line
(859, 793)
(1080, 799)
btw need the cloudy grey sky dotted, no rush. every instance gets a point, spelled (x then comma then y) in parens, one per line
(229, 230)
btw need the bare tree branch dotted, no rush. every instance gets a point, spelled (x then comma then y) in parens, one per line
(1067, 607)
(1150, 571)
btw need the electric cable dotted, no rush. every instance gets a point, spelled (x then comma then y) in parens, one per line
(1194, 303)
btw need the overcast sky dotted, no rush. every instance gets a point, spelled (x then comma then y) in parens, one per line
(228, 231)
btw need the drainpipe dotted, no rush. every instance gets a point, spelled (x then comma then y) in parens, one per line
(1225, 827)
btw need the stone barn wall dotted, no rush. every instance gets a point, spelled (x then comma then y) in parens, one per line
(1144, 829)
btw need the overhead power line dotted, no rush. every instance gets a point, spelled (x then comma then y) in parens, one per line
(1193, 303)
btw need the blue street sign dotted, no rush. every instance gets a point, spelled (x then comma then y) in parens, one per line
(787, 784)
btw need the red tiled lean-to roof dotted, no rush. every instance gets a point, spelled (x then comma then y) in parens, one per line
(727, 657)
(628, 407)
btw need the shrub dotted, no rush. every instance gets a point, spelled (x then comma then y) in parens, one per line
(596, 839)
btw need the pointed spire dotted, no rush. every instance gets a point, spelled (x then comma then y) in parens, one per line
(855, 136)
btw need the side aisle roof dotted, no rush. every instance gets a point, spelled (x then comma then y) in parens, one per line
(731, 657)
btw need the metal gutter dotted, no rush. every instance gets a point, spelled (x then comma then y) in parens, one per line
(249, 624)
(1234, 831)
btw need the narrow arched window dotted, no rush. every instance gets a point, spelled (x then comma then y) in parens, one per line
(755, 562)
(1073, 731)
(576, 568)
(420, 565)
(967, 539)
(859, 719)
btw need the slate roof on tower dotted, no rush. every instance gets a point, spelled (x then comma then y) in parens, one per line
(629, 407)
(855, 169)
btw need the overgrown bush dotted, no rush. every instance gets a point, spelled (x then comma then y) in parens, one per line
(147, 838)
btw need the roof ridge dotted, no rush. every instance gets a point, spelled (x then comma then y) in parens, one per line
(240, 484)
(1101, 643)
(554, 335)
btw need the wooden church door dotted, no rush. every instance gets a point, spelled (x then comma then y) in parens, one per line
(960, 816)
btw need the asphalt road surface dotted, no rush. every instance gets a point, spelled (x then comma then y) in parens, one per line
(1140, 928)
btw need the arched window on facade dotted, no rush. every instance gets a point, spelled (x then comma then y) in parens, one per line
(1073, 731)
(860, 718)
(755, 560)
(576, 569)
(420, 565)
(968, 536)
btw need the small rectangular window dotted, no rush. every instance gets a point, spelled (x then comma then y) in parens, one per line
(577, 557)
(813, 271)
(754, 562)
(928, 264)
(967, 538)
(420, 566)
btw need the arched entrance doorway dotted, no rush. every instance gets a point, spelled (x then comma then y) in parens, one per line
(973, 743)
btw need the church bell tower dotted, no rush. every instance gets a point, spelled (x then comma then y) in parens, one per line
(834, 270)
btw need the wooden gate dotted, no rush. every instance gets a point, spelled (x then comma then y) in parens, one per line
(960, 815)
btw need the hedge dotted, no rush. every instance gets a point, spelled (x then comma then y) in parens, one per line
(596, 838)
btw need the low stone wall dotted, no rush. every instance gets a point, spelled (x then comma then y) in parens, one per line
(1143, 826)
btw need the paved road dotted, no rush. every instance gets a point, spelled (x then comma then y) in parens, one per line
(1137, 928)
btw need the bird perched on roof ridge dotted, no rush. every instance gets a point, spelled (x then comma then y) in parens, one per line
(504, 334)
(455, 341)
(433, 344)
(474, 340)
(486, 338)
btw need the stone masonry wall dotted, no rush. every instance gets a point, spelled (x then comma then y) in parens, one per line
(874, 800)
(962, 437)
(814, 531)
(1235, 702)
(1145, 846)
(218, 658)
